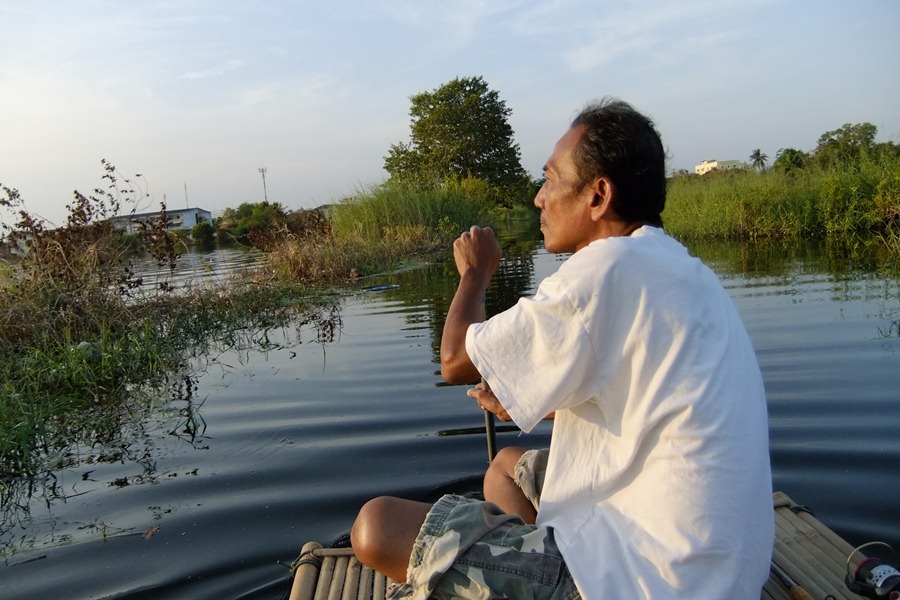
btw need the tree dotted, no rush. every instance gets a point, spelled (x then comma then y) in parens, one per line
(251, 217)
(460, 130)
(789, 159)
(846, 143)
(203, 234)
(758, 159)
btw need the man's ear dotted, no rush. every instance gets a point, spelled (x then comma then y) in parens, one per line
(601, 203)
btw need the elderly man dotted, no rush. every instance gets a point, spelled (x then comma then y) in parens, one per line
(657, 481)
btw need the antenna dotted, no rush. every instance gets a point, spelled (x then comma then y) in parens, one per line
(262, 171)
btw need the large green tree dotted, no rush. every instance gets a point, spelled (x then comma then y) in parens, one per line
(845, 143)
(461, 129)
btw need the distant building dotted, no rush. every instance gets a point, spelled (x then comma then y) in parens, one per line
(722, 165)
(184, 218)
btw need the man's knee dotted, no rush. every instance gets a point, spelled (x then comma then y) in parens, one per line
(385, 531)
(504, 463)
(510, 455)
(369, 527)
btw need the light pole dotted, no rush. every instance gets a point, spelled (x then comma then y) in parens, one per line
(262, 171)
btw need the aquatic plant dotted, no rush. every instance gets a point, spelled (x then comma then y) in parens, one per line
(85, 346)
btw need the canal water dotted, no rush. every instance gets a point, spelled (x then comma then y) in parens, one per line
(279, 442)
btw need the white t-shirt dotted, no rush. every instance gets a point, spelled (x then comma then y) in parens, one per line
(658, 483)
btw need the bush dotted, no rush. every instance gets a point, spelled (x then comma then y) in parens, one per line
(203, 234)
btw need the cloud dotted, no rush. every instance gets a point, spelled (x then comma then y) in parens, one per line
(585, 38)
(216, 71)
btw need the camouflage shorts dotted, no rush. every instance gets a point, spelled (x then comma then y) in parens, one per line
(530, 471)
(471, 549)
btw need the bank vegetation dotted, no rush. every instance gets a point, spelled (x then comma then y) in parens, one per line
(849, 186)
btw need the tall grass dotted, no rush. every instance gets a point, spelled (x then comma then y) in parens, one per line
(862, 197)
(395, 208)
(380, 229)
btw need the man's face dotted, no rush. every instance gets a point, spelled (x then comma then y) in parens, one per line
(563, 200)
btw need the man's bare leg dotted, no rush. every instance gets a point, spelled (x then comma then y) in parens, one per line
(500, 485)
(384, 533)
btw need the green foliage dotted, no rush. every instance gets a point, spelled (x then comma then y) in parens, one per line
(851, 198)
(379, 230)
(789, 159)
(203, 234)
(848, 186)
(848, 143)
(461, 130)
(402, 205)
(251, 218)
(68, 294)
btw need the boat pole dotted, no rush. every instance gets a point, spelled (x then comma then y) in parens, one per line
(489, 428)
(794, 590)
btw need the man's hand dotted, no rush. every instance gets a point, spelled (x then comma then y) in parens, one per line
(477, 253)
(488, 401)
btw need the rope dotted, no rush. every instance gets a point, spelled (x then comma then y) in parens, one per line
(306, 558)
(799, 508)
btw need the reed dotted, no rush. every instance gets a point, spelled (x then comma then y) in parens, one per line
(396, 207)
(851, 198)
(379, 230)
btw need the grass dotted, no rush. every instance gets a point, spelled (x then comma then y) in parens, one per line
(379, 230)
(850, 199)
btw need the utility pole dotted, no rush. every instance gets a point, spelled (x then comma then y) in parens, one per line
(262, 171)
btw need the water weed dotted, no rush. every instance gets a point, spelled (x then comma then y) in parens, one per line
(85, 345)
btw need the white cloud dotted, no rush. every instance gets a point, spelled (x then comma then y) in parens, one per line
(216, 71)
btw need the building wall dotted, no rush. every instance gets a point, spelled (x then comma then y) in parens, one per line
(184, 218)
(722, 165)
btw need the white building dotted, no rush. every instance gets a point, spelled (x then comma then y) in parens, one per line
(722, 165)
(184, 218)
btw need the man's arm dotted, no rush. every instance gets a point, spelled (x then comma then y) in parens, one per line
(477, 255)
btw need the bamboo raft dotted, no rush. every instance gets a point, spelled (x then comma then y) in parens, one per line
(806, 557)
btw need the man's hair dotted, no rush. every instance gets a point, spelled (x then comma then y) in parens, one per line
(622, 144)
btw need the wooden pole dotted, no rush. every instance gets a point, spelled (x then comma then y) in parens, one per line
(489, 429)
(307, 573)
(796, 592)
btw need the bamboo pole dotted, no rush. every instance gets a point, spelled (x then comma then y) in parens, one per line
(325, 574)
(307, 573)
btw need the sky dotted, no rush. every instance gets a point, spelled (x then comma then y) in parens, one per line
(198, 95)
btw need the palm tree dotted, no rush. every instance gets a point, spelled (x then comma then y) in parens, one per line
(758, 159)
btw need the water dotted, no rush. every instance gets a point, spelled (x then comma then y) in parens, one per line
(297, 437)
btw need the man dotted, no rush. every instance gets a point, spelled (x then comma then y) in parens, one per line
(657, 481)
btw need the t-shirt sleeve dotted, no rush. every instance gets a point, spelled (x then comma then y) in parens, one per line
(536, 356)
